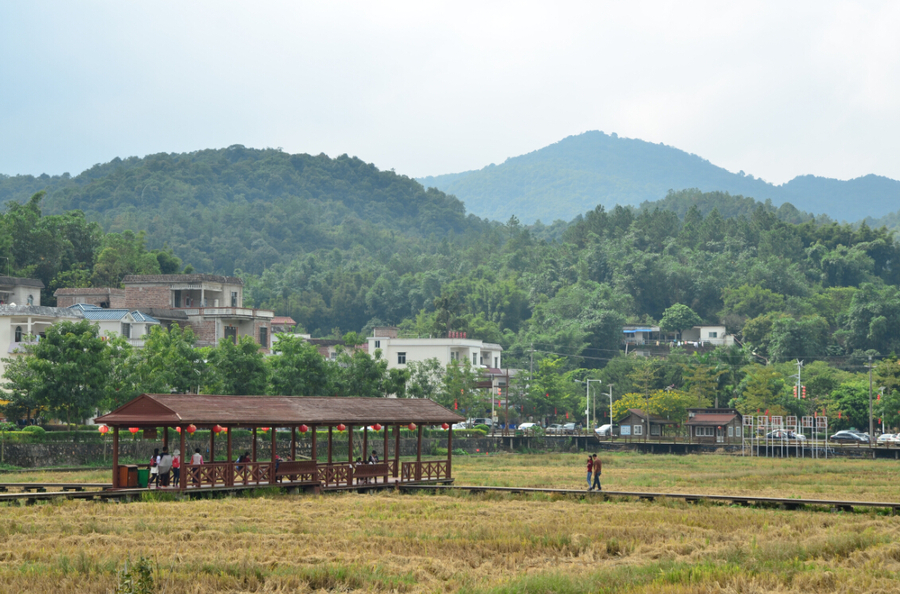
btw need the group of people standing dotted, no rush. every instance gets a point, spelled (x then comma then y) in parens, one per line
(162, 465)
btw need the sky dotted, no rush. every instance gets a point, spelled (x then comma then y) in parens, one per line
(776, 89)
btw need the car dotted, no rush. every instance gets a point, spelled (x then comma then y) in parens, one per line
(556, 429)
(570, 429)
(460, 425)
(785, 434)
(480, 421)
(850, 437)
(528, 426)
(888, 438)
(604, 431)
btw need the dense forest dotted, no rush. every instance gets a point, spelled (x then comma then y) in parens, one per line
(343, 247)
(577, 173)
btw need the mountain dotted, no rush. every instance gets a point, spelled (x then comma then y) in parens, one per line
(572, 176)
(241, 208)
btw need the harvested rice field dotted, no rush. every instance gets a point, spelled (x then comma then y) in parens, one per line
(490, 543)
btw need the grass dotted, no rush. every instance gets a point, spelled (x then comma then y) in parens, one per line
(492, 543)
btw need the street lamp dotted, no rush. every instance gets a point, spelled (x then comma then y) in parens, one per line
(610, 412)
(587, 411)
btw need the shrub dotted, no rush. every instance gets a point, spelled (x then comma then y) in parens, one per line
(484, 428)
(35, 430)
(8, 427)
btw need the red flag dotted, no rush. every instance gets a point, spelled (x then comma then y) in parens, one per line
(455, 405)
(839, 414)
(567, 416)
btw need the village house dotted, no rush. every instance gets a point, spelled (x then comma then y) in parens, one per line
(641, 425)
(130, 324)
(19, 323)
(20, 291)
(714, 425)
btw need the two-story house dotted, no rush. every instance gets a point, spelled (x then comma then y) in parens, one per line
(456, 347)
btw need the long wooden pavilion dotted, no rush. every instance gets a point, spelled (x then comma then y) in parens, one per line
(185, 413)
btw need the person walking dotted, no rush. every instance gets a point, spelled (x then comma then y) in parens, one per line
(597, 469)
(590, 467)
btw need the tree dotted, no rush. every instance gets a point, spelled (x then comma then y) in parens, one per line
(702, 382)
(763, 389)
(360, 374)
(68, 370)
(297, 368)
(169, 362)
(426, 378)
(458, 391)
(678, 318)
(120, 255)
(238, 368)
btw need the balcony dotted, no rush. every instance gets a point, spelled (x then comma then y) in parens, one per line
(228, 312)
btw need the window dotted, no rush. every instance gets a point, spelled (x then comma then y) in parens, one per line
(654, 430)
(625, 430)
(401, 358)
(30, 300)
(454, 355)
(126, 330)
(481, 358)
(704, 431)
(713, 334)
(234, 299)
(18, 334)
(638, 429)
(263, 335)
(474, 358)
(377, 344)
(177, 297)
(496, 362)
(730, 431)
(737, 431)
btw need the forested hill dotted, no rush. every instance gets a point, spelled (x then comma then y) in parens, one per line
(240, 208)
(575, 174)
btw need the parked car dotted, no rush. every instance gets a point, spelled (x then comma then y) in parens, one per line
(604, 431)
(556, 429)
(528, 426)
(480, 421)
(570, 428)
(462, 425)
(888, 439)
(850, 437)
(785, 434)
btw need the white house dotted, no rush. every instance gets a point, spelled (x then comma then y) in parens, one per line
(132, 324)
(20, 291)
(714, 335)
(18, 322)
(400, 351)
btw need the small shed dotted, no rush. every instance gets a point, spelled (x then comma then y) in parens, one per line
(641, 425)
(714, 425)
(185, 413)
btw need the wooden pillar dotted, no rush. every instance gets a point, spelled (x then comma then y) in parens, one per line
(254, 445)
(350, 443)
(385, 453)
(330, 442)
(314, 454)
(185, 460)
(230, 472)
(166, 437)
(396, 450)
(419, 455)
(274, 453)
(115, 481)
(450, 450)
(212, 446)
(365, 449)
(293, 443)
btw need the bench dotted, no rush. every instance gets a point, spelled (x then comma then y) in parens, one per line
(371, 471)
(294, 470)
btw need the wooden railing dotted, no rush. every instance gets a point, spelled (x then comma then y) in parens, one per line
(332, 475)
(216, 474)
(427, 470)
(251, 472)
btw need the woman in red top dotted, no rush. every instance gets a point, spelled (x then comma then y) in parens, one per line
(176, 466)
(590, 470)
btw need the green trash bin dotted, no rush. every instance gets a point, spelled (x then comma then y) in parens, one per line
(143, 477)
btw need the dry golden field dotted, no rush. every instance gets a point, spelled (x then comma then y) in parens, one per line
(429, 543)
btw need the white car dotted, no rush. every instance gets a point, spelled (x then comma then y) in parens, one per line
(603, 430)
(888, 438)
(527, 426)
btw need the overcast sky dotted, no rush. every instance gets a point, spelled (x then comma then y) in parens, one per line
(776, 89)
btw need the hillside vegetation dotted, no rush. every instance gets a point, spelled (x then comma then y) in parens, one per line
(577, 173)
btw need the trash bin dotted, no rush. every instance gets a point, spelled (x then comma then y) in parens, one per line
(143, 477)
(128, 476)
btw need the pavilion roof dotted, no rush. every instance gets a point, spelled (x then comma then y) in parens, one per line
(274, 411)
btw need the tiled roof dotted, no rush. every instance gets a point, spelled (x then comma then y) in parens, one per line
(273, 411)
(21, 282)
(92, 312)
(90, 291)
(161, 313)
(39, 310)
(283, 320)
(181, 278)
(711, 419)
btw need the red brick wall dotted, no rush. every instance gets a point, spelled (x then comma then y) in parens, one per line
(115, 301)
(144, 296)
(205, 331)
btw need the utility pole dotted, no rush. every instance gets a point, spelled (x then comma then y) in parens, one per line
(871, 428)
(610, 412)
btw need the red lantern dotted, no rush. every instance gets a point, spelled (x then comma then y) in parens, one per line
(303, 428)
(264, 428)
(103, 429)
(412, 426)
(191, 428)
(341, 427)
(376, 427)
(218, 429)
(178, 429)
(133, 430)
(445, 426)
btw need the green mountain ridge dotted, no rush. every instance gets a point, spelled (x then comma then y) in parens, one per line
(573, 175)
